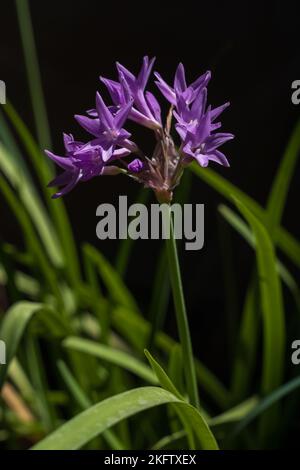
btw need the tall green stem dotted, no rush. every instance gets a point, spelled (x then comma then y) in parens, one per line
(181, 316)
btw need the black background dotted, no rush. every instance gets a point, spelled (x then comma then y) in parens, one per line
(252, 49)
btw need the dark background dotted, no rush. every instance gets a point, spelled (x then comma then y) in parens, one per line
(252, 49)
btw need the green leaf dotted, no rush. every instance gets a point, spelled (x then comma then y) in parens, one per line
(12, 329)
(78, 431)
(266, 403)
(281, 183)
(241, 227)
(191, 418)
(162, 376)
(286, 242)
(84, 402)
(45, 173)
(33, 73)
(18, 176)
(272, 304)
(112, 280)
(135, 329)
(113, 356)
(167, 441)
(234, 414)
(272, 312)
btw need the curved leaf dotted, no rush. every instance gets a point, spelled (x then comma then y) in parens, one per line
(90, 423)
(112, 355)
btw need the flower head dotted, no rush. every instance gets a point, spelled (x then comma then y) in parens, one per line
(110, 143)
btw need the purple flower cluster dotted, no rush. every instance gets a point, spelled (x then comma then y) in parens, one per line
(110, 143)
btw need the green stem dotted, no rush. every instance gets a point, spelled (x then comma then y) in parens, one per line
(181, 316)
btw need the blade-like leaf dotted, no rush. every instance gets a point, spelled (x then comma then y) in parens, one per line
(272, 311)
(266, 403)
(241, 227)
(281, 183)
(112, 280)
(272, 304)
(135, 329)
(12, 329)
(78, 431)
(191, 418)
(18, 176)
(286, 242)
(112, 355)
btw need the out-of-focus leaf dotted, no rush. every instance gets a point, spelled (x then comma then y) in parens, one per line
(234, 414)
(84, 402)
(112, 355)
(18, 176)
(241, 227)
(45, 173)
(33, 73)
(285, 241)
(12, 329)
(281, 183)
(266, 403)
(113, 282)
(271, 305)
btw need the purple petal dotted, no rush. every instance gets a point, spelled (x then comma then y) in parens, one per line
(114, 89)
(129, 77)
(72, 183)
(104, 113)
(107, 153)
(218, 157)
(121, 152)
(217, 111)
(203, 128)
(216, 140)
(63, 162)
(201, 159)
(198, 107)
(122, 115)
(61, 180)
(136, 166)
(179, 81)
(153, 105)
(144, 74)
(165, 89)
(89, 124)
(202, 81)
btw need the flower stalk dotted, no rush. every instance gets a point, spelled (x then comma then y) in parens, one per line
(180, 310)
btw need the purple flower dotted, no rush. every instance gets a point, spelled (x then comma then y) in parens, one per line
(180, 88)
(200, 144)
(146, 110)
(135, 166)
(81, 163)
(107, 127)
(161, 171)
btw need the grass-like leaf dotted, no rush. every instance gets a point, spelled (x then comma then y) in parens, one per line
(111, 278)
(136, 330)
(189, 415)
(266, 403)
(113, 356)
(285, 241)
(80, 430)
(271, 305)
(12, 329)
